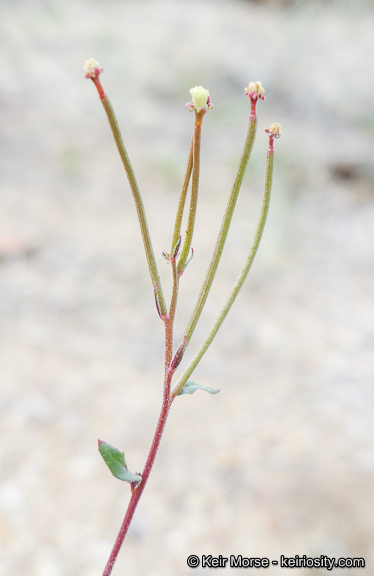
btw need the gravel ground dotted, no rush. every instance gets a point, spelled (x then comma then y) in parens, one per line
(281, 461)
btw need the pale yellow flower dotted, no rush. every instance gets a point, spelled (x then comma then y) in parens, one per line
(201, 101)
(274, 129)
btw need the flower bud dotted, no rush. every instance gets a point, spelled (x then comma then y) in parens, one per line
(92, 68)
(274, 130)
(201, 101)
(255, 91)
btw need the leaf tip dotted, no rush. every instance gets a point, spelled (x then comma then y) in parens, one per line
(191, 387)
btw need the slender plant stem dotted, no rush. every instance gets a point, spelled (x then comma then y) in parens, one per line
(165, 408)
(174, 296)
(212, 269)
(241, 278)
(182, 198)
(169, 319)
(152, 266)
(194, 194)
(138, 491)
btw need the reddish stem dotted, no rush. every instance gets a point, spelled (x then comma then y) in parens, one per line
(166, 403)
(137, 492)
(99, 87)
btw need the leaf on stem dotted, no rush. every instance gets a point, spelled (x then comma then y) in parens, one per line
(191, 387)
(115, 460)
(186, 264)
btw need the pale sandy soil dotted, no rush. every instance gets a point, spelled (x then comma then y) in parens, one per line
(281, 461)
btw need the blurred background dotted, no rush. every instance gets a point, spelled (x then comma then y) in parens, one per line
(281, 461)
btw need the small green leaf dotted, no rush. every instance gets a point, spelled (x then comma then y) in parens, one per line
(115, 460)
(191, 387)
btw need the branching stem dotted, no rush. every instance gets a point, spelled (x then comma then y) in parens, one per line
(212, 269)
(178, 263)
(241, 278)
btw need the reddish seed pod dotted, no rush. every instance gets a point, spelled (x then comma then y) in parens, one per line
(179, 354)
(176, 247)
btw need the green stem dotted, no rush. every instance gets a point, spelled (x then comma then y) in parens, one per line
(152, 266)
(170, 318)
(182, 199)
(194, 194)
(204, 291)
(241, 278)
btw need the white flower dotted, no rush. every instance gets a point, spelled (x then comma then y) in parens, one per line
(92, 68)
(201, 101)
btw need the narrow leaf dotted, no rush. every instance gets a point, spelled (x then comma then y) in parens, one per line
(115, 460)
(186, 264)
(191, 387)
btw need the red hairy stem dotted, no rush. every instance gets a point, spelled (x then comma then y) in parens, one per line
(167, 400)
(137, 492)
(99, 87)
